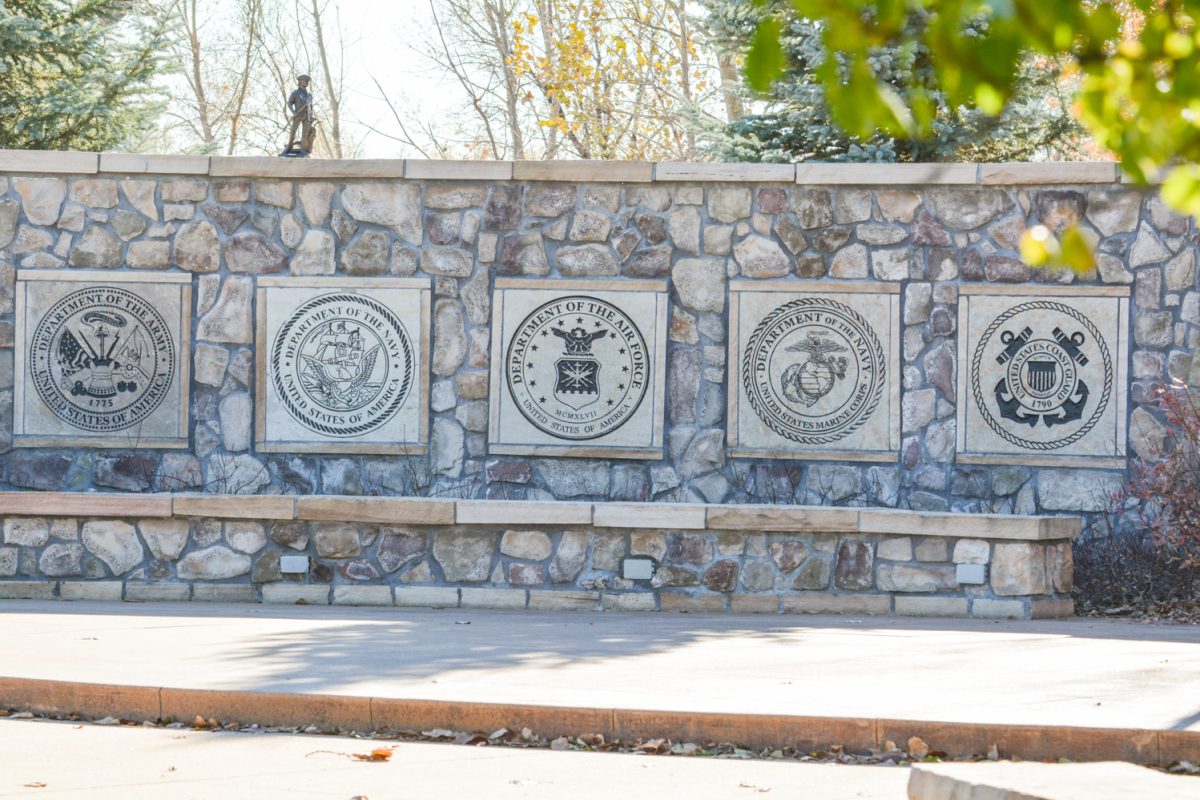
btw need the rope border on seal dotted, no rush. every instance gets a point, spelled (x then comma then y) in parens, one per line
(976, 366)
(508, 372)
(170, 359)
(384, 415)
(876, 349)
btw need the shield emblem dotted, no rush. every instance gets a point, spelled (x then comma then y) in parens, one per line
(1041, 375)
(577, 382)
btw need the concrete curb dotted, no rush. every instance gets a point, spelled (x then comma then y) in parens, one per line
(1029, 742)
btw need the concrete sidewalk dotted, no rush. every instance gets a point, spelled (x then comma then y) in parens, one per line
(1078, 673)
(111, 763)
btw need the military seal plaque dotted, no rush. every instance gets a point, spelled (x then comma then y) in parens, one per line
(103, 359)
(814, 371)
(578, 368)
(1042, 373)
(558, 364)
(342, 365)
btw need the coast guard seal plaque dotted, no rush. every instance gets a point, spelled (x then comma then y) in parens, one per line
(102, 357)
(816, 373)
(578, 367)
(342, 365)
(1044, 374)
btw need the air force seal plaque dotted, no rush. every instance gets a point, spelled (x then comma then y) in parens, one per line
(579, 367)
(343, 365)
(816, 372)
(102, 355)
(1042, 374)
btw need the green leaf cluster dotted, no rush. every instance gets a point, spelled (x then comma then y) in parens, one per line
(852, 81)
(1138, 63)
(76, 74)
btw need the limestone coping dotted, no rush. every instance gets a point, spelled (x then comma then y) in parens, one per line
(809, 173)
(432, 511)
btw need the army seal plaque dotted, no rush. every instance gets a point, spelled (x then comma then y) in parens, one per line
(1041, 375)
(577, 368)
(813, 370)
(342, 364)
(102, 359)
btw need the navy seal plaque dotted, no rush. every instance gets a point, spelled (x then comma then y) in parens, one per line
(341, 365)
(102, 359)
(816, 373)
(1044, 374)
(579, 365)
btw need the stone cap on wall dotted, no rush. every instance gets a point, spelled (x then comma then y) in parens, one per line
(657, 516)
(44, 162)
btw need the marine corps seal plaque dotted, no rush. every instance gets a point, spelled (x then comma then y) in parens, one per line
(816, 372)
(100, 359)
(343, 362)
(576, 368)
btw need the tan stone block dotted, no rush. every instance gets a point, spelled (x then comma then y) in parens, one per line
(754, 604)
(517, 512)
(889, 174)
(312, 169)
(547, 600)
(224, 593)
(26, 590)
(971, 551)
(48, 162)
(684, 516)
(426, 596)
(530, 545)
(1048, 172)
(933, 550)
(602, 171)
(295, 593)
(362, 595)
(627, 601)
(388, 510)
(136, 164)
(915, 578)
(434, 169)
(895, 549)
(493, 598)
(89, 590)
(984, 608)
(700, 604)
(89, 504)
(729, 172)
(798, 519)
(1019, 569)
(234, 506)
(931, 606)
(1045, 608)
(142, 591)
(648, 544)
(952, 525)
(820, 603)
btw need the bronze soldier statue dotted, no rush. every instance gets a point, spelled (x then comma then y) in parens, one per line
(300, 106)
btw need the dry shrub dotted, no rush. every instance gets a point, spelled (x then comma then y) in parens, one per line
(1143, 557)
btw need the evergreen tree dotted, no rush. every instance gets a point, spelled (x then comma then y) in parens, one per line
(796, 124)
(75, 74)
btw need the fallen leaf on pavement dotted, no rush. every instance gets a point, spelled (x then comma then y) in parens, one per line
(378, 754)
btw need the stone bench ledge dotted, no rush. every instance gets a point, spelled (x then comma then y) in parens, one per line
(654, 516)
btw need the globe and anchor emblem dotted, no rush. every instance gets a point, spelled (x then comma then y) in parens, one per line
(809, 381)
(832, 388)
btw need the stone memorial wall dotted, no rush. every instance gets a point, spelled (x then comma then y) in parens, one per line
(721, 334)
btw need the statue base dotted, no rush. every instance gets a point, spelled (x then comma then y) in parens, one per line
(294, 152)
